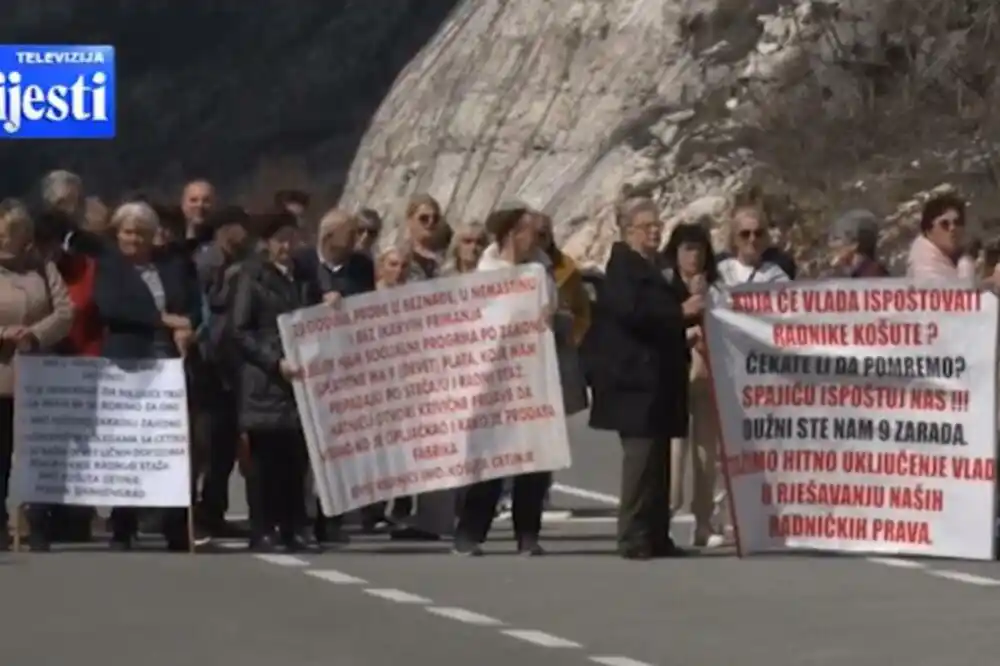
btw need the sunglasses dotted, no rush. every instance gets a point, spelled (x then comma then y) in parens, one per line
(428, 219)
(474, 241)
(748, 234)
(368, 231)
(949, 223)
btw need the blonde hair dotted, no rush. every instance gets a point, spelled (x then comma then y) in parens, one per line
(139, 212)
(14, 215)
(381, 258)
(474, 227)
(334, 219)
(421, 199)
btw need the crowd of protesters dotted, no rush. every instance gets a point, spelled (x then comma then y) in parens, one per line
(206, 282)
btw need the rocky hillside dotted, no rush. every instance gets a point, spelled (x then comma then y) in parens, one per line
(271, 93)
(560, 102)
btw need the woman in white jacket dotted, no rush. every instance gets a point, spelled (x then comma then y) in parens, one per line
(514, 228)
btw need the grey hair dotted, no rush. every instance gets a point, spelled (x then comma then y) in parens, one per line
(139, 212)
(451, 255)
(629, 209)
(57, 186)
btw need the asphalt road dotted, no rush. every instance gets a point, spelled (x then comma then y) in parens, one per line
(377, 603)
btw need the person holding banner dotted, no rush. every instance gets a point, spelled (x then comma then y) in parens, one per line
(35, 315)
(172, 289)
(640, 389)
(268, 287)
(335, 270)
(515, 230)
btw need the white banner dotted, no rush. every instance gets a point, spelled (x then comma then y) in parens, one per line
(428, 386)
(859, 415)
(92, 433)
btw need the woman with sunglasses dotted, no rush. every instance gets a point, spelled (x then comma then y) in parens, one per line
(937, 253)
(748, 228)
(427, 237)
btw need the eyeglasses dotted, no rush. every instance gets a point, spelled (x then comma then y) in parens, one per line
(949, 223)
(748, 234)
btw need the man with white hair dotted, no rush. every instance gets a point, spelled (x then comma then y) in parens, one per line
(334, 270)
(63, 190)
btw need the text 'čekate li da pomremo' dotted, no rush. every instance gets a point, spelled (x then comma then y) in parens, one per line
(859, 416)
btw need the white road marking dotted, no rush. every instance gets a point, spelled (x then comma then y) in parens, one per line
(336, 577)
(618, 661)
(540, 638)
(583, 493)
(466, 616)
(962, 577)
(399, 596)
(896, 562)
(282, 560)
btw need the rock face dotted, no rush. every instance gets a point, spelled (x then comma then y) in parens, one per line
(561, 102)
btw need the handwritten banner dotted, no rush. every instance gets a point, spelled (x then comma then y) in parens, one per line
(859, 416)
(91, 433)
(428, 386)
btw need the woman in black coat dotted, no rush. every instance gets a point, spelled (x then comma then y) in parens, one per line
(266, 288)
(153, 317)
(640, 384)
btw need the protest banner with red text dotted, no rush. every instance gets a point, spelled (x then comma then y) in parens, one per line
(428, 386)
(859, 416)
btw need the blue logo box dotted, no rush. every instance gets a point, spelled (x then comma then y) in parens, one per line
(57, 92)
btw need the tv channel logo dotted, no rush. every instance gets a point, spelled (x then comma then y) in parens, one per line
(57, 92)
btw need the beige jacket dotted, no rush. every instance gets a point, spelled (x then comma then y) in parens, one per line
(36, 301)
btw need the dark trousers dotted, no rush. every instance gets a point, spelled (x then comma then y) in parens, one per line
(6, 453)
(479, 506)
(219, 425)
(125, 522)
(644, 508)
(276, 481)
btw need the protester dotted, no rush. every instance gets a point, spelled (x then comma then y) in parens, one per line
(197, 200)
(369, 230)
(35, 315)
(335, 270)
(65, 522)
(936, 253)
(96, 216)
(173, 227)
(215, 368)
(465, 249)
(640, 386)
(63, 190)
(748, 240)
(428, 235)
(853, 244)
(267, 288)
(176, 299)
(515, 230)
(391, 268)
(691, 271)
(424, 235)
